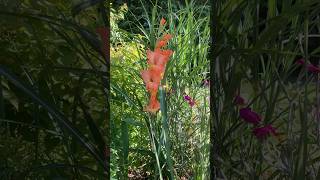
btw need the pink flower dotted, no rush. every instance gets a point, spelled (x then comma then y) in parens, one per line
(250, 116)
(238, 100)
(206, 82)
(312, 68)
(263, 132)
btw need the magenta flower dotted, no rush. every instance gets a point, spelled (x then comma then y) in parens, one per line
(263, 132)
(312, 68)
(187, 98)
(250, 116)
(300, 61)
(192, 102)
(238, 100)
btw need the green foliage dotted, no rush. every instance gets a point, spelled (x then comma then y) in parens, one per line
(256, 45)
(53, 97)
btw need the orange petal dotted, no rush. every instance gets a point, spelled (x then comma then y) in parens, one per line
(162, 61)
(146, 76)
(167, 52)
(162, 21)
(152, 86)
(156, 73)
(161, 44)
(156, 58)
(167, 37)
(153, 106)
(151, 57)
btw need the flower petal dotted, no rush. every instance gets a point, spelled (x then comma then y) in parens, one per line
(162, 21)
(146, 76)
(250, 116)
(312, 68)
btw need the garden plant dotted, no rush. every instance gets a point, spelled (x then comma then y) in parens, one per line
(160, 91)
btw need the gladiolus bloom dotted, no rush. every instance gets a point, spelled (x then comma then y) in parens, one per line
(154, 104)
(161, 44)
(263, 132)
(163, 41)
(166, 53)
(250, 116)
(156, 58)
(146, 76)
(152, 76)
(152, 86)
(167, 37)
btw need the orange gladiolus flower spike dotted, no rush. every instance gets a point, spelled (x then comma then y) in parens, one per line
(152, 77)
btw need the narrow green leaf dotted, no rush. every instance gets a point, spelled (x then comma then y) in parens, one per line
(71, 128)
(95, 131)
(166, 135)
(125, 147)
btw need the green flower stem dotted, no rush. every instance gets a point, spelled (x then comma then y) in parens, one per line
(165, 128)
(154, 147)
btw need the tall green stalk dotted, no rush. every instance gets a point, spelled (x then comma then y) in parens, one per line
(165, 128)
(154, 147)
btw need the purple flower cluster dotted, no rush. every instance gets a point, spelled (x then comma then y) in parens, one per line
(254, 118)
(310, 67)
(191, 101)
(250, 116)
(263, 132)
(238, 100)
